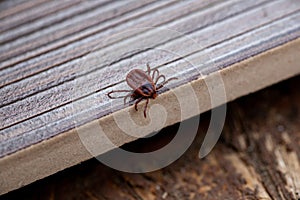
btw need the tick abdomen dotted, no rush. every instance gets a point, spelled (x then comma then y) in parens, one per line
(137, 78)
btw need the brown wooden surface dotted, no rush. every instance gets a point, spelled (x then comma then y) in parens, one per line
(49, 78)
(43, 44)
(257, 157)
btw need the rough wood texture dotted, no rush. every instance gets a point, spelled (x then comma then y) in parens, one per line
(47, 48)
(40, 59)
(67, 149)
(256, 158)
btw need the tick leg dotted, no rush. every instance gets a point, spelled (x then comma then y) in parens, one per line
(145, 109)
(162, 84)
(136, 103)
(153, 74)
(109, 94)
(160, 76)
(148, 69)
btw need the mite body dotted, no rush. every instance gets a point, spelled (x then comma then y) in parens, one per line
(144, 85)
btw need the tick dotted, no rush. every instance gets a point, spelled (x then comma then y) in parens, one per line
(144, 85)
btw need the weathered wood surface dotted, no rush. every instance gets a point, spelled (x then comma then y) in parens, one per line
(43, 44)
(59, 59)
(258, 157)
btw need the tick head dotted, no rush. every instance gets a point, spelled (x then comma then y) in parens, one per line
(154, 95)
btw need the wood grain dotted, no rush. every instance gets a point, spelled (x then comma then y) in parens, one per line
(49, 101)
(257, 158)
(10, 8)
(66, 149)
(59, 60)
(36, 13)
(64, 93)
(82, 47)
(13, 36)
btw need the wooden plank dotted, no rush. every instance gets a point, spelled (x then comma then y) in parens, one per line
(72, 27)
(16, 93)
(257, 158)
(10, 8)
(42, 21)
(49, 77)
(56, 97)
(67, 148)
(36, 14)
(82, 46)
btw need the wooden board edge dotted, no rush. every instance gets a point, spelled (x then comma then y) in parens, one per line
(65, 150)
